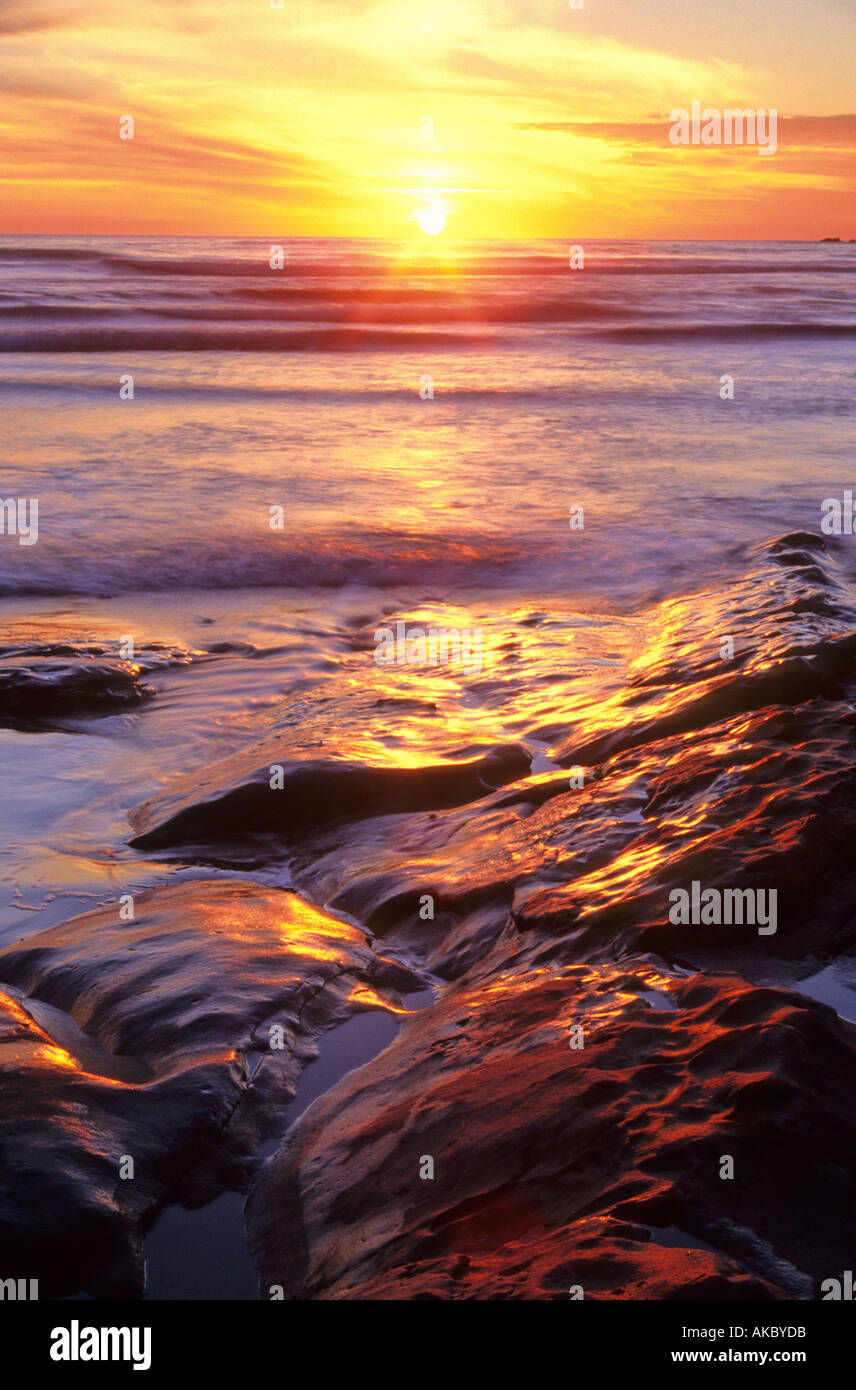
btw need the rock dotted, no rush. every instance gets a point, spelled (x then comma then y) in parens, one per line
(64, 689)
(233, 799)
(556, 1167)
(735, 770)
(152, 1039)
(50, 674)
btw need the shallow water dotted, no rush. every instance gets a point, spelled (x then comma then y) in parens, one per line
(203, 1253)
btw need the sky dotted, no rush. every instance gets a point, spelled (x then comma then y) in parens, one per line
(310, 119)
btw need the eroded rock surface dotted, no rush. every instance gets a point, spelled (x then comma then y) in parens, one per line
(50, 676)
(235, 798)
(556, 1167)
(152, 1039)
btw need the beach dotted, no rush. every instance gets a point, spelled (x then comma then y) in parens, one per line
(290, 907)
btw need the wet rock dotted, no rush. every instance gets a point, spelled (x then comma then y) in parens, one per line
(49, 674)
(152, 1038)
(733, 768)
(54, 689)
(234, 798)
(555, 1167)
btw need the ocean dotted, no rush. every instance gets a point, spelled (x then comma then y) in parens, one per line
(300, 387)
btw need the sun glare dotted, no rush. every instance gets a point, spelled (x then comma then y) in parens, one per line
(431, 220)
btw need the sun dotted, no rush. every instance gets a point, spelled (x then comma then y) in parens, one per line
(431, 219)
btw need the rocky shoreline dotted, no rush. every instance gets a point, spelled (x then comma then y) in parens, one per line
(592, 1101)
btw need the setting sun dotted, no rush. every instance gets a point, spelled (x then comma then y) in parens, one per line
(431, 219)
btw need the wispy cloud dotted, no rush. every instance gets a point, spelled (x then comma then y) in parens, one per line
(804, 132)
(30, 16)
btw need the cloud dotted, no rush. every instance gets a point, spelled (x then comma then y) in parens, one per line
(30, 16)
(795, 132)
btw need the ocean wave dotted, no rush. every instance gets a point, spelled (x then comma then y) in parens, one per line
(728, 332)
(50, 253)
(324, 261)
(347, 338)
(462, 332)
(473, 258)
(330, 561)
(334, 297)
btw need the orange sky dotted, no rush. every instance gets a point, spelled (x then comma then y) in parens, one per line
(308, 120)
